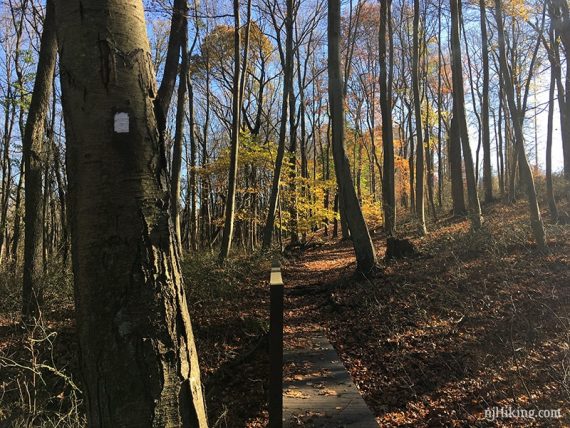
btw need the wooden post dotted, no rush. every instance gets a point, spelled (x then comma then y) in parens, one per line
(276, 347)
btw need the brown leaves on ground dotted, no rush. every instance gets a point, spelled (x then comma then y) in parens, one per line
(229, 307)
(481, 320)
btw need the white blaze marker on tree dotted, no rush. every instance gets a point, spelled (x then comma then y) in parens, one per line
(121, 123)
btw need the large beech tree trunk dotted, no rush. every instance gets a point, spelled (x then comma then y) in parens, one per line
(228, 232)
(486, 130)
(560, 17)
(238, 86)
(456, 170)
(191, 170)
(287, 61)
(293, 214)
(459, 114)
(420, 179)
(175, 180)
(549, 187)
(517, 122)
(138, 358)
(388, 183)
(33, 149)
(363, 247)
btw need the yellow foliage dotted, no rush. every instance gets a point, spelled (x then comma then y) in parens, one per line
(218, 48)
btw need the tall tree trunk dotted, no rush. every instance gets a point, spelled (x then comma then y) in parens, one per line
(17, 214)
(179, 130)
(501, 158)
(205, 212)
(459, 114)
(486, 132)
(549, 188)
(363, 247)
(517, 122)
(439, 111)
(456, 170)
(166, 89)
(61, 197)
(411, 160)
(33, 149)
(234, 151)
(420, 173)
(287, 61)
(388, 182)
(429, 165)
(139, 362)
(293, 214)
(192, 170)
(560, 18)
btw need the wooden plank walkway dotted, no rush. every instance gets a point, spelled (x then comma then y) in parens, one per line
(319, 392)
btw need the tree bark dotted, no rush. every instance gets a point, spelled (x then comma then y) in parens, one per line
(459, 114)
(18, 214)
(234, 150)
(517, 122)
(293, 214)
(388, 182)
(363, 247)
(33, 149)
(420, 174)
(486, 131)
(420, 164)
(456, 170)
(439, 111)
(179, 129)
(549, 188)
(166, 89)
(138, 357)
(205, 212)
(560, 16)
(192, 170)
(287, 60)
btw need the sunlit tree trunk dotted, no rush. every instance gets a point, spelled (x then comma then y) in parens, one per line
(500, 142)
(287, 62)
(456, 170)
(205, 212)
(549, 188)
(179, 130)
(363, 247)
(388, 182)
(486, 131)
(18, 214)
(420, 173)
(293, 214)
(193, 232)
(459, 114)
(33, 148)
(560, 16)
(138, 358)
(166, 89)
(439, 111)
(234, 149)
(517, 122)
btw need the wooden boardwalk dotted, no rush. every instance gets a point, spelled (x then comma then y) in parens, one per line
(318, 391)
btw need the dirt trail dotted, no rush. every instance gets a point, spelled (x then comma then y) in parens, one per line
(479, 321)
(318, 391)
(307, 282)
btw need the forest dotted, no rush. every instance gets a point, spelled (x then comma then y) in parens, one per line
(406, 163)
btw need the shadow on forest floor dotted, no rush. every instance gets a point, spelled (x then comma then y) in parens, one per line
(480, 321)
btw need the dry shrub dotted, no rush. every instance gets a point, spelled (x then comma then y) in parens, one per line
(35, 389)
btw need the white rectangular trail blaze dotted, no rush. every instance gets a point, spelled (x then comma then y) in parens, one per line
(121, 123)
